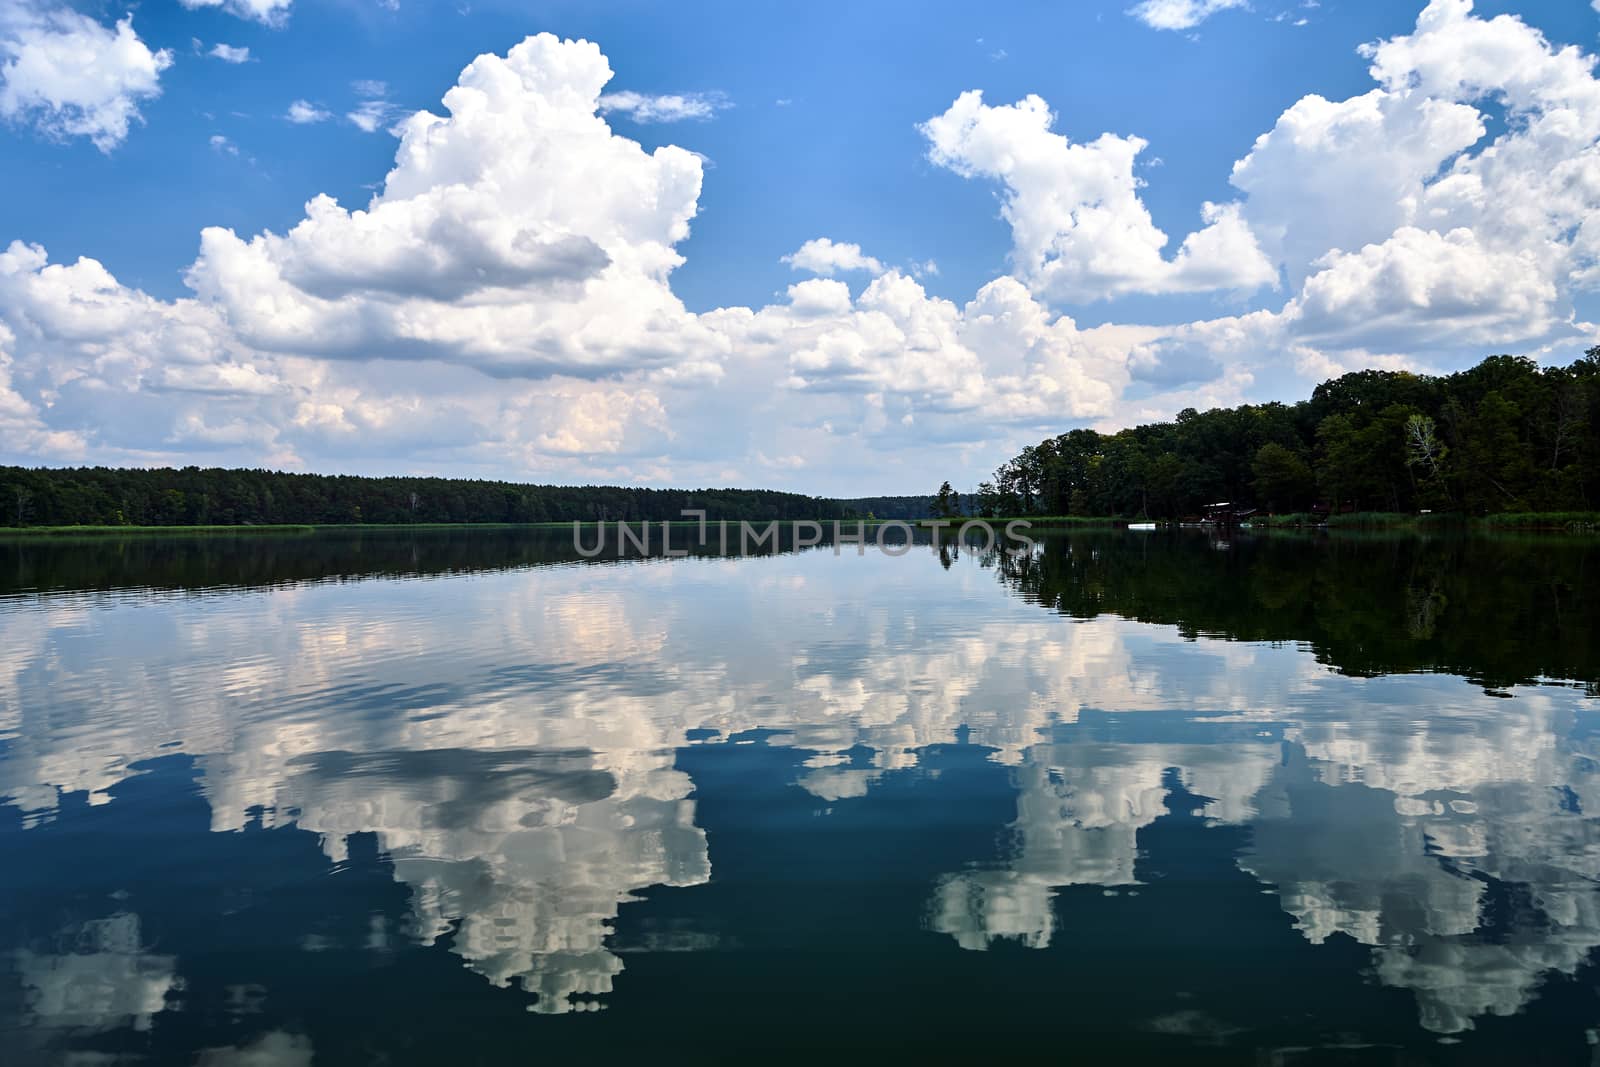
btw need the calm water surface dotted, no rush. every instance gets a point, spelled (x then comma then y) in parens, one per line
(461, 797)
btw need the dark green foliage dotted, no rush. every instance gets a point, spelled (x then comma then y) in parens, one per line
(1283, 480)
(105, 496)
(1505, 436)
(888, 508)
(1501, 611)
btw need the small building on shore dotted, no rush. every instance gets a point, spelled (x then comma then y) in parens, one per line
(1227, 513)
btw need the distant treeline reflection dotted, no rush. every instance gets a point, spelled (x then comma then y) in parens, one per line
(1499, 610)
(246, 558)
(241, 558)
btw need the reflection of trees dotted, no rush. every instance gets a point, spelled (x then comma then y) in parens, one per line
(239, 558)
(1499, 611)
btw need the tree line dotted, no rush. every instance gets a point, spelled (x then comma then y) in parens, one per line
(897, 508)
(195, 496)
(1504, 436)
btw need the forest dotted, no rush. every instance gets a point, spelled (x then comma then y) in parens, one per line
(1504, 436)
(194, 496)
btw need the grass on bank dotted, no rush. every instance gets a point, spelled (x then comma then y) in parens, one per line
(1575, 521)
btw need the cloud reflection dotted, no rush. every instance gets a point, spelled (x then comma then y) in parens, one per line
(512, 740)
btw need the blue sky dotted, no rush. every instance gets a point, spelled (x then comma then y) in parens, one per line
(814, 131)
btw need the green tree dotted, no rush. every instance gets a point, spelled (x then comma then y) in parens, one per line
(1283, 481)
(1495, 465)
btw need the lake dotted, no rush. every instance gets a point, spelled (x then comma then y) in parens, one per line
(463, 796)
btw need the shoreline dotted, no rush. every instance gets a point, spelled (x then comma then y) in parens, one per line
(1543, 522)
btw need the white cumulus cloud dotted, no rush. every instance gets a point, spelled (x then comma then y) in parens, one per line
(517, 233)
(1080, 231)
(1339, 175)
(70, 76)
(229, 54)
(822, 255)
(1413, 232)
(1421, 288)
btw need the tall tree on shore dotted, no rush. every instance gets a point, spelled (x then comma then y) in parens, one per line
(1283, 481)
